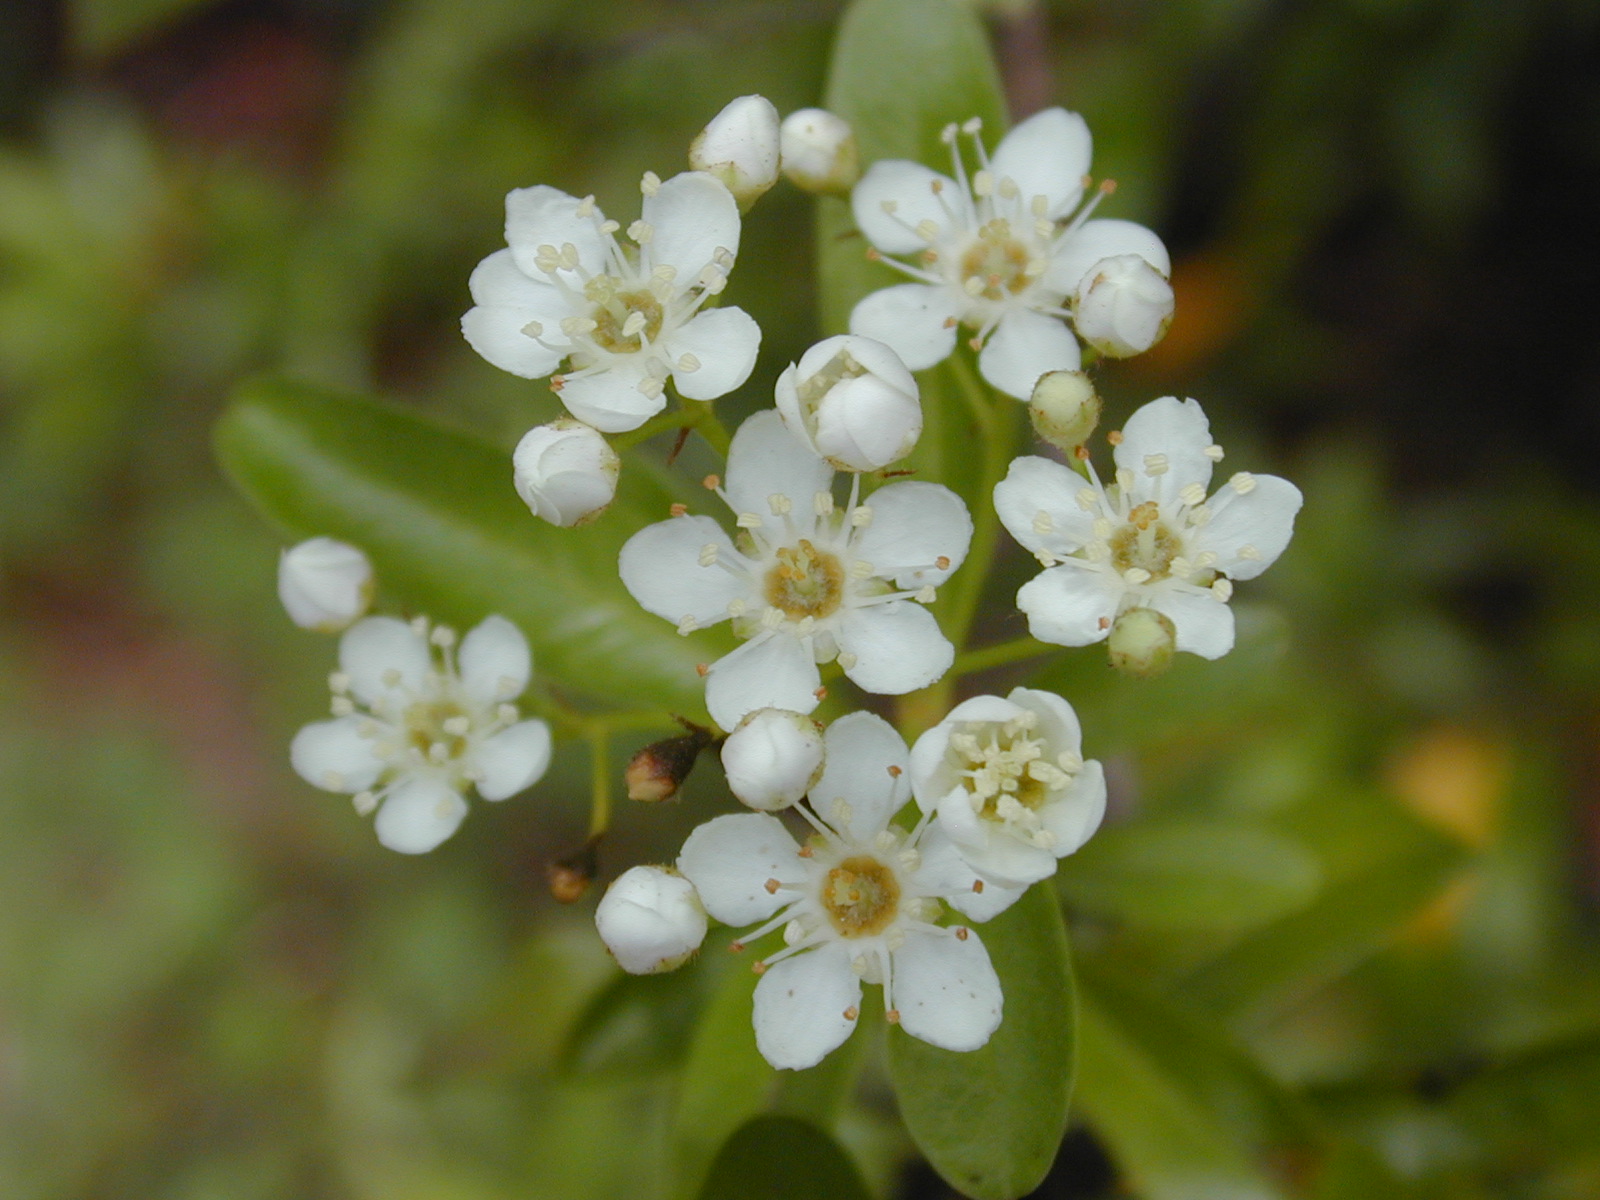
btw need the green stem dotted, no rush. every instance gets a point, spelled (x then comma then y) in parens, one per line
(599, 781)
(997, 426)
(704, 420)
(998, 655)
(662, 423)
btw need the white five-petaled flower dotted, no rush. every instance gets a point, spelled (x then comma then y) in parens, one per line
(1009, 784)
(807, 581)
(627, 321)
(859, 901)
(418, 720)
(1001, 252)
(1151, 539)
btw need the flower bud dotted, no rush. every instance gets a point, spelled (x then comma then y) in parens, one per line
(819, 152)
(1064, 408)
(1123, 306)
(656, 772)
(651, 920)
(565, 472)
(569, 877)
(853, 402)
(324, 585)
(740, 147)
(1141, 643)
(773, 758)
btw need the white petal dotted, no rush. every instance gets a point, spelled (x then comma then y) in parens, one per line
(800, 1007)
(418, 815)
(1058, 725)
(989, 848)
(496, 333)
(1035, 485)
(932, 775)
(660, 567)
(692, 216)
(512, 759)
(766, 460)
(1023, 347)
(729, 860)
(329, 753)
(860, 750)
(610, 400)
(1073, 819)
(373, 647)
(1262, 517)
(1203, 623)
(497, 282)
(1047, 155)
(946, 990)
(775, 671)
(725, 341)
(898, 647)
(914, 524)
(1176, 429)
(909, 188)
(917, 321)
(1070, 605)
(944, 873)
(494, 661)
(546, 216)
(1095, 240)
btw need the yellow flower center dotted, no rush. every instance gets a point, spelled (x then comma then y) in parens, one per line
(861, 897)
(624, 321)
(805, 582)
(1145, 542)
(995, 265)
(437, 728)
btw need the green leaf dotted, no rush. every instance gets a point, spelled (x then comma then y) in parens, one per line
(779, 1158)
(990, 1120)
(104, 27)
(436, 511)
(1189, 873)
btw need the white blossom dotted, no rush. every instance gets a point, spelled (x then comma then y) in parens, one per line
(324, 584)
(1152, 538)
(651, 920)
(808, 581)
(772, 758)
(739, 147)
(819, 152)
(1001, 252)
(1123, 306)
(859, 901)
(627, 320)
(565, 472)
(417, 721)
(853, 402)
(1009, 783)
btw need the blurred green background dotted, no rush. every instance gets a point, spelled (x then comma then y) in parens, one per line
(1339, 937)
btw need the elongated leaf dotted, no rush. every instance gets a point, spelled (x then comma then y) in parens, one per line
(781, 1158)
(436, 511)
(990, 1120)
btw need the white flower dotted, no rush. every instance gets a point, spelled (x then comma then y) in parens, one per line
(651, 920)
(565, 472)
(819, 151)
(858, 901)
(1151, 539)
(1009, 784)
(324, 584)
(740, 148)
(772, 758)
(807, 581)
(853, 402)
(417, 722)
(1000, 253)
(1122, 306)
(565, 289)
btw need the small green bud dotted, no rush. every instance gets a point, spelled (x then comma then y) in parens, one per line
(1064, 408)
(1141, 643)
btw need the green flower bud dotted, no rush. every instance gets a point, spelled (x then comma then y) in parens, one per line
(1141, 643)
(1064, 408)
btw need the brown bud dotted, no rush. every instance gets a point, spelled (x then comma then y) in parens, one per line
(570, 876)
(656, 772)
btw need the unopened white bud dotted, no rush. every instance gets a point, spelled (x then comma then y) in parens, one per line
(651, 920)
(1141, 643)
(773, 758)
(740, 147)
(565, 472)
(819, 152)
(852, 402)
(324, 584)
(1123, 306)
(1064, 408)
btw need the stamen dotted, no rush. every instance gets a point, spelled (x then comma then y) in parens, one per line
(1244, 483)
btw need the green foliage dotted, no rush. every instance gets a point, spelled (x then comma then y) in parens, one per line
(775, 1158)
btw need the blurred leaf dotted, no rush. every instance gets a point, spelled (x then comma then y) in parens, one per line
(635, 1023)
(990, 1120)
(420, 500)
(1539, 1100)
(103, 27)
(1190, 873)
(779, 1158)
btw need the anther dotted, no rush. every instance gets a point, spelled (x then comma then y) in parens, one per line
(861, 516)
(977, 886)
(892, 1016)
(711, 483)
(688, 362)
(821, 694)
(772, 886)
(926, 595)
(942, 562)
(365, 802)
(895, 772)
(1114, 437)
(962, 933)
(1103, 623)
(851, 1013)
(650, 183)
(687, 624)
(780, 504)
(1192, 495)
(702, 669)
(822, 504)
(1222, 589)
(678, 510)
(533, 329)
(1214, 453)
(1244, 483)
(847, 661)
(1155, 464)
(1248, 552)
(747, 521)
(708, 555)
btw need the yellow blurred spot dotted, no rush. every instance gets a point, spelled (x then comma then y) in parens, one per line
(1453, 778)
(1436, 921)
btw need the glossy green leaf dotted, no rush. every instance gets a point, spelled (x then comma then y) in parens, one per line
(436, 511)
(990, 1120)
(635, 1023)
(781, 1158)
